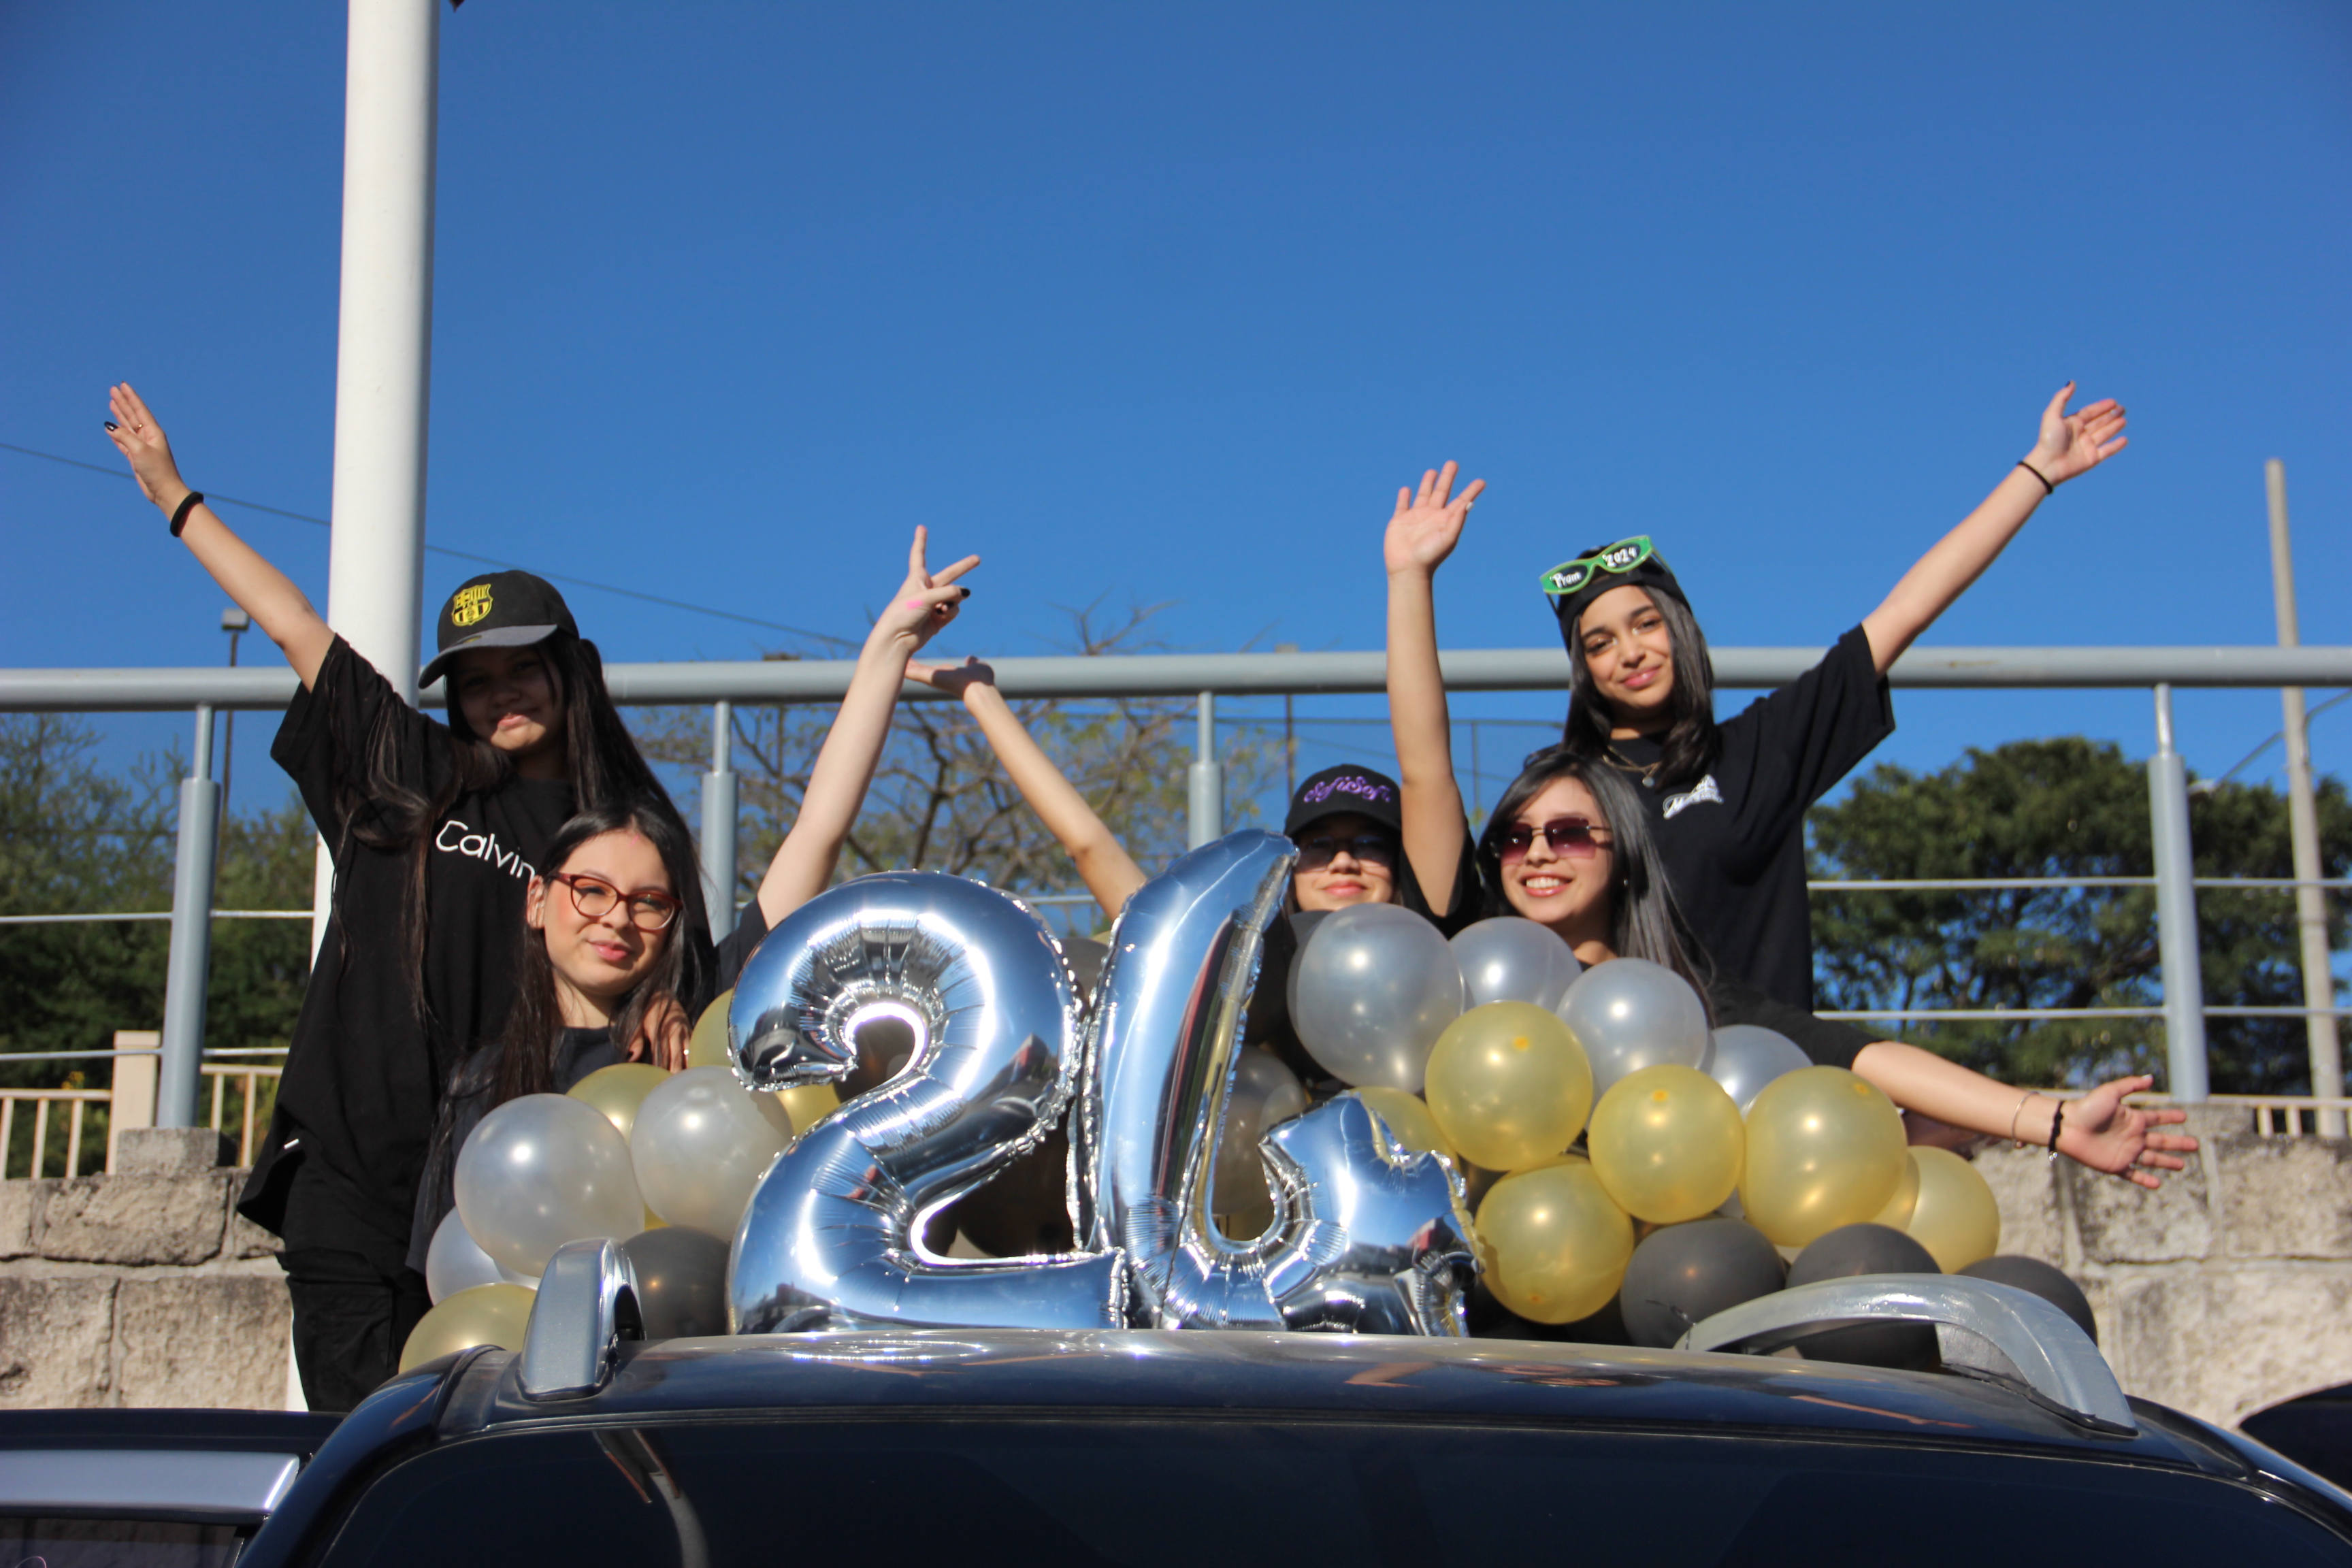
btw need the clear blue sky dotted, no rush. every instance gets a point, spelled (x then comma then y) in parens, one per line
(1163, 303)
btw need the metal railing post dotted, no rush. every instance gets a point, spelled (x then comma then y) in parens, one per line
(1207, 823)
(2176, 913)
(185, 969)
(719, 822)
(2321, 1039)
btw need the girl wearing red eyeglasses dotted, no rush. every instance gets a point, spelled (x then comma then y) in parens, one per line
(1572, 847)
(437, 829)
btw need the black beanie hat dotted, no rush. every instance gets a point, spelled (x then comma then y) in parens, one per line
(1573, 585)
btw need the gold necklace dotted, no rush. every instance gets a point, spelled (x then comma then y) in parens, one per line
(1648, 775)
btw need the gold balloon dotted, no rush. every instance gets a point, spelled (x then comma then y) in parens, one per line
(1956, 1218)
(617, 1091)
(1824, 1148)
(1896, 1215)
(1667, 1143)
(807, 1105)
(1407, 1118)
(1508, 1085)
(484, 1315)
(1552, 1244)
(708, 1046)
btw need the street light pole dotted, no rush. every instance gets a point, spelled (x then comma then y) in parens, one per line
(2320, 1037)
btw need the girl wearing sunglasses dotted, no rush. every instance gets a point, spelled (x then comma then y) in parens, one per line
(1729, 800)
(1573, 846)
(437, 830)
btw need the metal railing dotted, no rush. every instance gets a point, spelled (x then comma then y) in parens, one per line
(1204, 677)
(130, 1102)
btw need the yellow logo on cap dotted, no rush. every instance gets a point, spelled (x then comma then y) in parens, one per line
(470, 604)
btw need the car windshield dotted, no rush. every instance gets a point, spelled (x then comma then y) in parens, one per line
(1178, 1494)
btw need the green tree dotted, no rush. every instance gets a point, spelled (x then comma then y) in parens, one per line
(2064, 807)
(77, 839)
(940, 802)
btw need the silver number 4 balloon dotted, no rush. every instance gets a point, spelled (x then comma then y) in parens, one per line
(1367, 1236)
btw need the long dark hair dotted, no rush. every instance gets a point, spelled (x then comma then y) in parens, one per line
(1689, 747)
(390, 811)
(526, 1042)
(1644, 921)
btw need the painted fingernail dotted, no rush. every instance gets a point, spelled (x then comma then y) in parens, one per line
(110, 425)
(965, 592)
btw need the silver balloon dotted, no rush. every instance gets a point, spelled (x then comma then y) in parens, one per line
(1747, 1057)
(1367, 1236)
(1629, 1014)
(832, 1237)
(455, 1261)
(1512, 959)
(542, 1170)
(1264, 1094)
(701, 1141)
(1374, 988)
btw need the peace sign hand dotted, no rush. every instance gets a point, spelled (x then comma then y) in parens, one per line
(2077, 443)
(926, 602)
(1427, 524)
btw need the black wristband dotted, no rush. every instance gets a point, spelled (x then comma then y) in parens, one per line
(2047, 488)
(2057, 1120)
(188, 504)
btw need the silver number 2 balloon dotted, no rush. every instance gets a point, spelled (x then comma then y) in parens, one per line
(1367, 1236)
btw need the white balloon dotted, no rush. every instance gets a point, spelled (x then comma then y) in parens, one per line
(1747, 1057)
(1512, 959)
(1374, 988)
(701, 1143)
(1629, 1014)
(1265, 1092)
(455, 1262)
(540, 1171)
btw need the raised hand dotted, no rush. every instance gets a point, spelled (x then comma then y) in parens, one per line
(926, 601)
(2107, 1135)
(1428, 522)
(141, 441)
(2077, 443)
(955, 679)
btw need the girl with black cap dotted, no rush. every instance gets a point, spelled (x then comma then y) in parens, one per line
(1730, 799)
(437, 833)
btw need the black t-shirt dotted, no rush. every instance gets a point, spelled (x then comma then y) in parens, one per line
(1829, 1043)
(1734, 843)
(364, 1073)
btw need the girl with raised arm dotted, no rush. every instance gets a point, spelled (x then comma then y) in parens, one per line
(437, 833)
(1729, 800)
(1573, 846)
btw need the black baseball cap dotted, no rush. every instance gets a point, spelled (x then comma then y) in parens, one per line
(498, 609)
(1346, 788)
(1634, 562)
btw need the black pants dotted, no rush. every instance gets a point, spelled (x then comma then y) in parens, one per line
(355, 1298)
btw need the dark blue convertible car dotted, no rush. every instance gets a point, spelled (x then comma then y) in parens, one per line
(1188, 1449)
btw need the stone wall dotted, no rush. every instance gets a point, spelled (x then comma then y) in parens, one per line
(2228, 1290)
(143, 1288)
